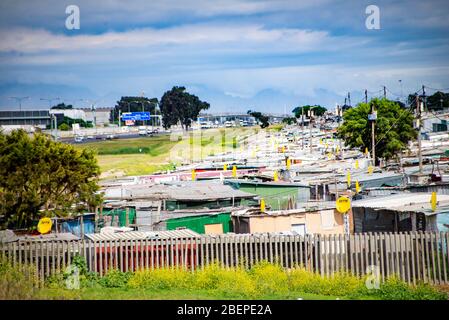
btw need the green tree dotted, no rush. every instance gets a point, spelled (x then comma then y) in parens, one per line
(134, 104)
(289, 120)
(62, 106)
(64, 127)
(40, 177)
(263, 119)
(317, 110)
(177, 105)
(394, 127)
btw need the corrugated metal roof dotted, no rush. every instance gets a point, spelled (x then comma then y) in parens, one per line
(140, 235)
(415, 202)
(65, 236)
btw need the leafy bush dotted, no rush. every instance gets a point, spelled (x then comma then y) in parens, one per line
(115, 279)
(395, 289)
(16, 283)
(64, 127)
(424, 291)
(269, 278)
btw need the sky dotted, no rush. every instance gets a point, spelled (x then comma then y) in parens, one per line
(269, 56)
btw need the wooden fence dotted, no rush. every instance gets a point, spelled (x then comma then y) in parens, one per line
(414, 256)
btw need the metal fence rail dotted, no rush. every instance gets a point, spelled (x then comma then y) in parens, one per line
(413, 257)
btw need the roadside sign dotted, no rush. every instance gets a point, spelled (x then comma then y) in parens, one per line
(44, 225)
(343, 204)
(129, 122)
(135, 116)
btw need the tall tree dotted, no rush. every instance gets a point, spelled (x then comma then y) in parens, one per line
(62, 106)
(177, 105)
(437, 101)
(317, 110)
(263, 119)
(394, 127)
(40, 177)
(134, 104)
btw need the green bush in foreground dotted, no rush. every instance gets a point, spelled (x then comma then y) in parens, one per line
(261, 281)
(16, 283)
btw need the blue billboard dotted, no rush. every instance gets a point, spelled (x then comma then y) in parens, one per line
(136, 116)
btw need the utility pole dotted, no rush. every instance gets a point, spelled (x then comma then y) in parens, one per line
(366, 96)
(349, 98)
(385, 92)
(302, 126)
(310, 129)
(418, 120)
(19, 99)
(373, 132)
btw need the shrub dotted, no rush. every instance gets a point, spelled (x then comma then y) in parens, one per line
(115, 279)
(16, 283)
(424, 291)
(161, 279)
(64, 127)
(269, 278)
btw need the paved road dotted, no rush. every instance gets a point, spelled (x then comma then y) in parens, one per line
(104, 137)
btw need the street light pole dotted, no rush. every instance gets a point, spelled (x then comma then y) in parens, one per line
(19, 99)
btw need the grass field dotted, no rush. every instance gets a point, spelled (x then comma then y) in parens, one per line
(138, 156)
(172, 294)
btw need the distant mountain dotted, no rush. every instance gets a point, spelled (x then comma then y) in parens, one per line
(267, 100)
(37, 91)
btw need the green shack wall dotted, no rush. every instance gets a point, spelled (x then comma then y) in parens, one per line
(197, 223)
(276, 197)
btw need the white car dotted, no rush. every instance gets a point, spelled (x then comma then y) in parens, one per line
(79, 139)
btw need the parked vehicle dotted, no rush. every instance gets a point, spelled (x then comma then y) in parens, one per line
(79, 139)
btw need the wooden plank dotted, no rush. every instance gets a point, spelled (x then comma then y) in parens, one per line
(250, 245)
(356, 253)
(432, 257)
(428, 264)
(400, 236)
(221, 251)
(413, 256)
(438, 245)
(323, 255)
(306, 252)
(347, 251)
(407, 257)
(183, 256)
(152, 253)
(276, 254)
(444, 256)
(157, 252)
(270, 247)
(291, 242)
(422, 249)
(382, 254)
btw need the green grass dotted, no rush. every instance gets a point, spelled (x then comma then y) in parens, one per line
(140, 156)
(167, 294)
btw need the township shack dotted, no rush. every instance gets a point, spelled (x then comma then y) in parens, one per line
(279, 195)
(401, 212)
(182, 194)
(316, 218)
